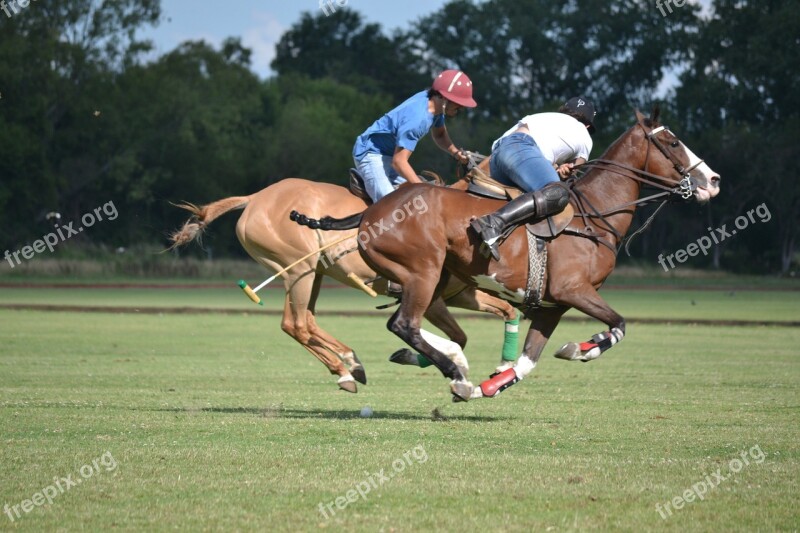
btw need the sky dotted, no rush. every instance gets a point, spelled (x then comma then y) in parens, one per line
(260, 23)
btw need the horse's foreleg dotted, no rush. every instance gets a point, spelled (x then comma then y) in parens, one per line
(588, 301)
(543, 323)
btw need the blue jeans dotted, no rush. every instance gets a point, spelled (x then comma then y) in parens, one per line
(517, 160)
(379, 177)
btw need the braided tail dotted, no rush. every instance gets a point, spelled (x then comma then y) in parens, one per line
(327, 223)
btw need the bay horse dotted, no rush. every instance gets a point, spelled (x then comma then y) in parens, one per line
(272, 240)
(423, 252)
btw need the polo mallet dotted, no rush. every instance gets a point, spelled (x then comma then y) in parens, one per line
(251, 293)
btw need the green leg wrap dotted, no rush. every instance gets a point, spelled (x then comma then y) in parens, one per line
(423, 361)
(511, 340)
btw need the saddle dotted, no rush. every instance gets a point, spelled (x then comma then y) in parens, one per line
(357, 188)
(482, 184)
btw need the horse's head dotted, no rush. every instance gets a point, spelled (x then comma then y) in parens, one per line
(675, 161)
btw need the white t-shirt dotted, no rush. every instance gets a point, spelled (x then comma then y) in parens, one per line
(560, 137)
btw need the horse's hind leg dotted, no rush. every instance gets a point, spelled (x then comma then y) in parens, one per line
(418, 291)
(296, 323)
(341, 350)
(587, 300)
(331, 343)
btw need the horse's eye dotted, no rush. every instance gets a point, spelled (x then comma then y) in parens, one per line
(675, 144)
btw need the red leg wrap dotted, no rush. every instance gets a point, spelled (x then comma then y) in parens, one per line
(499, 383)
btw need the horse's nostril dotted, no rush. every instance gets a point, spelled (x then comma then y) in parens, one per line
(715, 179)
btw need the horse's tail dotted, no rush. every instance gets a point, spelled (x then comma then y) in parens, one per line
(327, 223)
(202, 216)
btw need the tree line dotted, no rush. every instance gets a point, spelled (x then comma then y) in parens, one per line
(85, 120)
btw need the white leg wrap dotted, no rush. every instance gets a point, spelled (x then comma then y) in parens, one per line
(523, 366)
(452, 350)
(342, 379)
(616, 335)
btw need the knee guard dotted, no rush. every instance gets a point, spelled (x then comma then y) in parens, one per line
(551, 199)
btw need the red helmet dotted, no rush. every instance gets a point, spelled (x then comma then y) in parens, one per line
(456, 87)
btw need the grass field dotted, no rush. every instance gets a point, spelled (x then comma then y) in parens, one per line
(745, 305)
(222, 422)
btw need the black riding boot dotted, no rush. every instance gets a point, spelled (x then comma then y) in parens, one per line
(549, 200)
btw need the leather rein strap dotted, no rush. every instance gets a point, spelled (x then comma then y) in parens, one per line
(683, 187)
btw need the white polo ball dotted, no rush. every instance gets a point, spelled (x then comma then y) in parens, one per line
(366, 411)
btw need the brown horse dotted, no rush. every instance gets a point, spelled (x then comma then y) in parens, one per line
(265, 231)
(422, 251)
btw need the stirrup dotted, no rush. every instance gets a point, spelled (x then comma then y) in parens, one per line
(489, 247)
(393, 290)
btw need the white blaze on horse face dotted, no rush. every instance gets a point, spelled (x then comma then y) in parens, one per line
(490, 283)
(707, 179)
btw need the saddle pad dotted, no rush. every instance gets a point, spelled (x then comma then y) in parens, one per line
(481, 181)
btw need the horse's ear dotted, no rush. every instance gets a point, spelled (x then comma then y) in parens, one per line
(640, 118)
(656, 112)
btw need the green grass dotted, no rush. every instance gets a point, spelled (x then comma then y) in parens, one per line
(675, 304)
(224, 423)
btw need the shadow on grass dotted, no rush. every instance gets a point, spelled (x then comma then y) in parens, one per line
(322, 414)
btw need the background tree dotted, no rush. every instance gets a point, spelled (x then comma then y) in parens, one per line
(83, 120)
(741, 97)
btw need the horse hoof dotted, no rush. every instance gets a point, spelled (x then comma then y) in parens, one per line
(404, 356)
(569, 352)
(462, 389)
(585, 352)
(346, 383)
(359, 375)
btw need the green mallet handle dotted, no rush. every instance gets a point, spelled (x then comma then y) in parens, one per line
(250, 292)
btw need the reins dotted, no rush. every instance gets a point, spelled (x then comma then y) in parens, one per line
(682, 187)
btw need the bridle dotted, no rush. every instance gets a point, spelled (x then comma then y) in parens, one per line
(683, 187)
(685, 184)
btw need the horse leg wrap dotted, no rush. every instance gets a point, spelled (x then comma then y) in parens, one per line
(510, 341)
(602, 342)
(500, 382)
